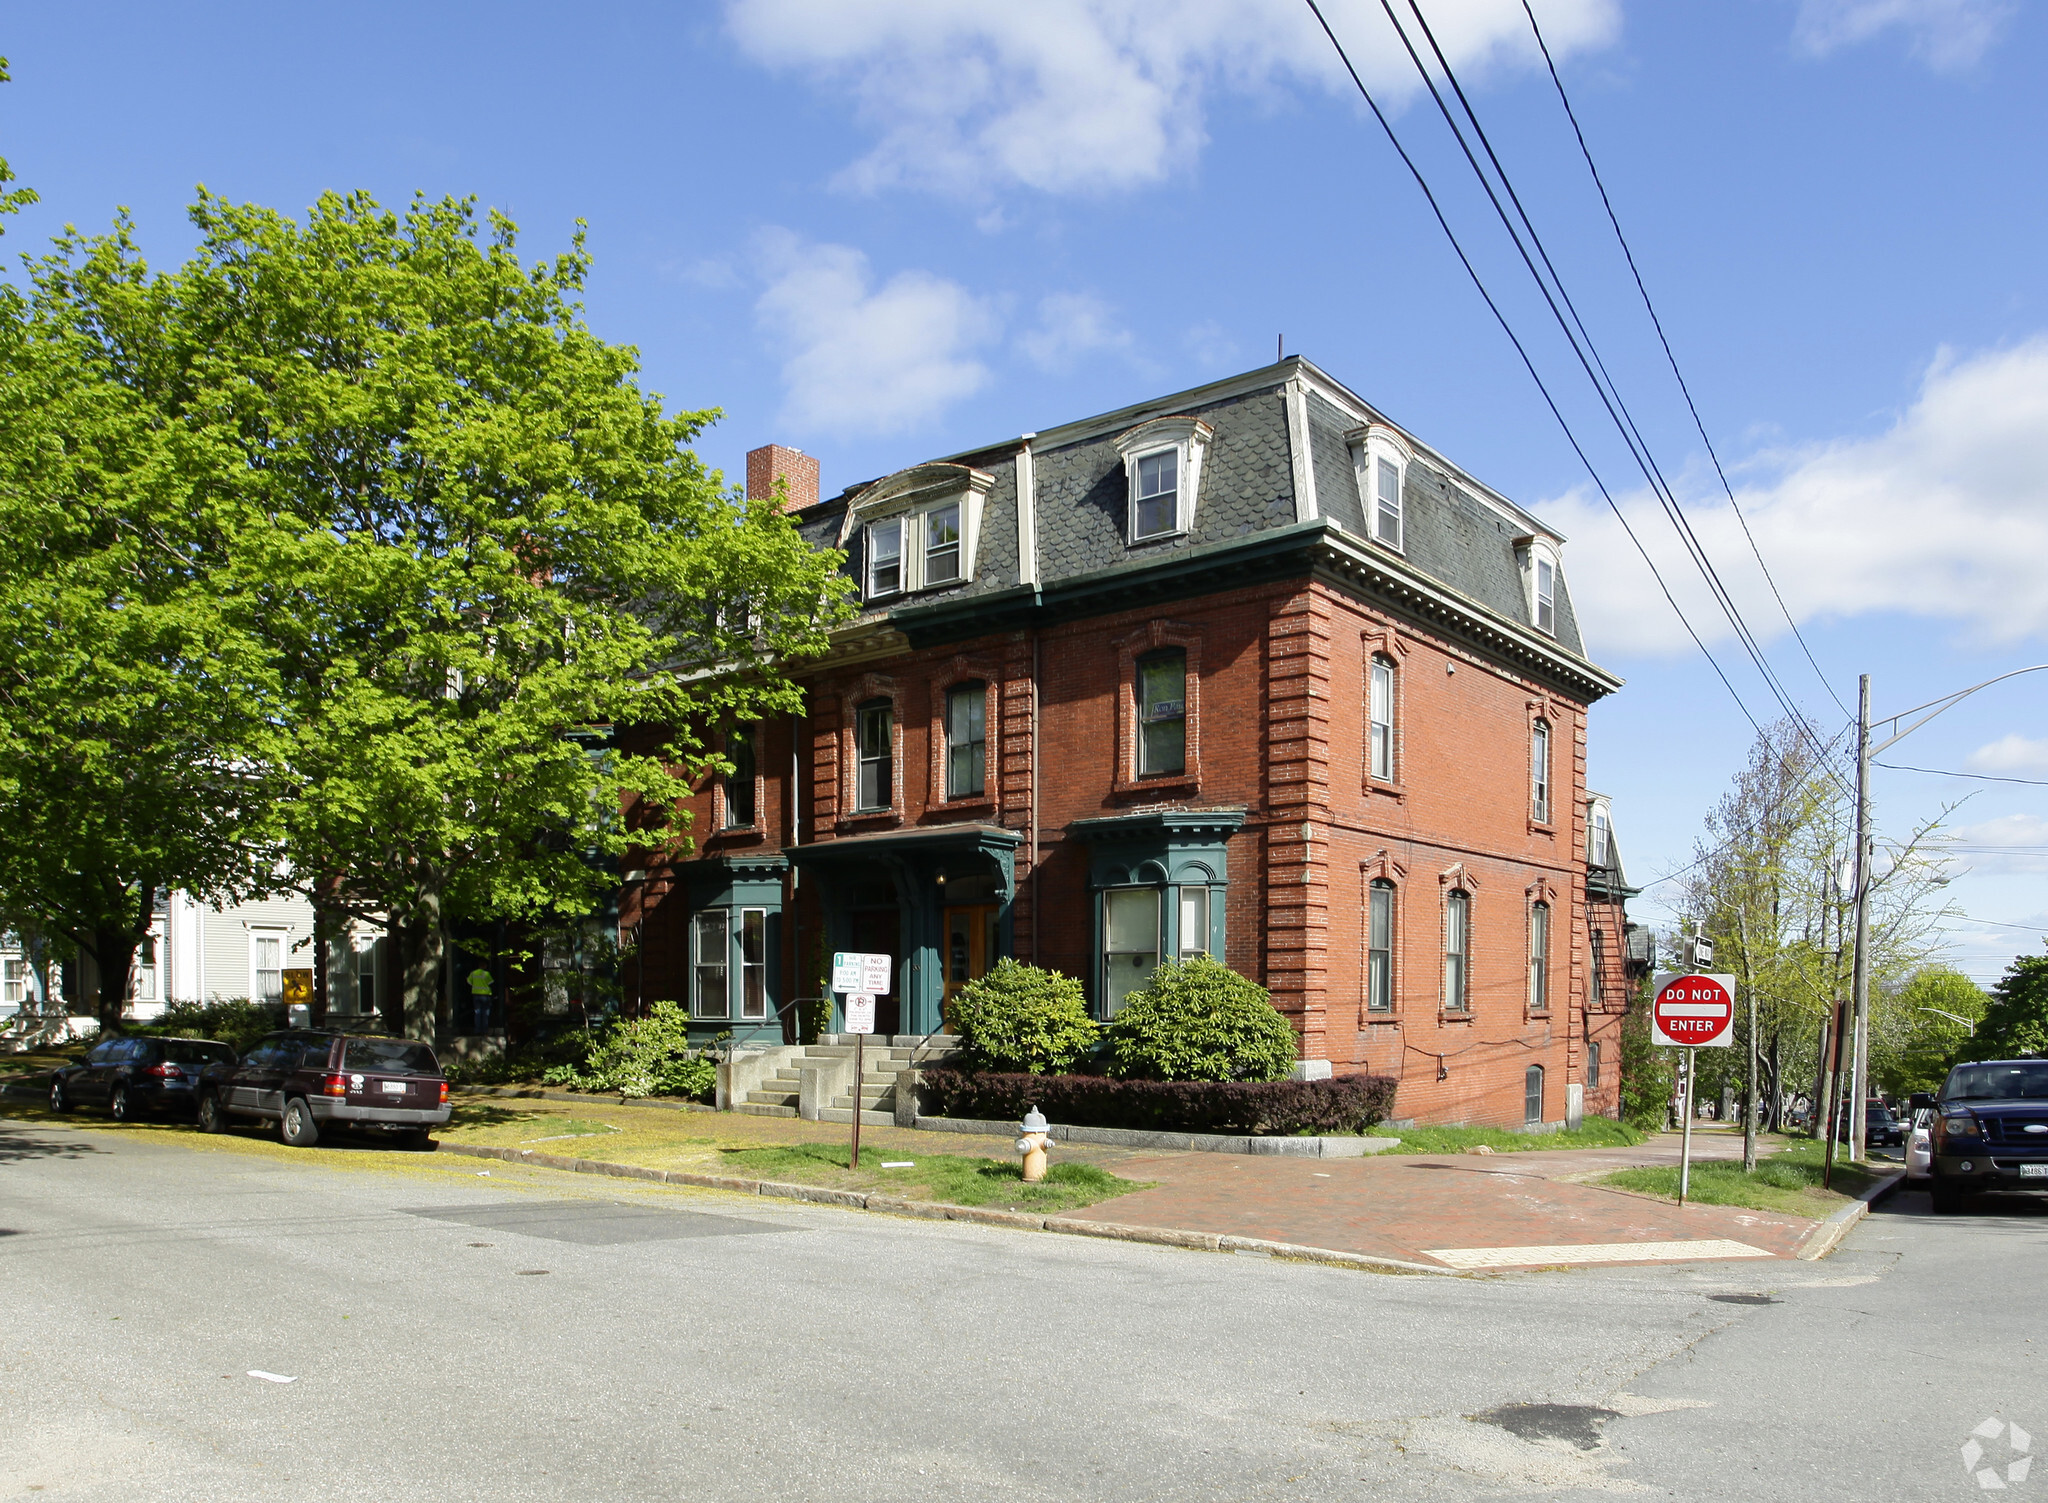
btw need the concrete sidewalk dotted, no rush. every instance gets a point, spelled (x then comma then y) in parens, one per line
(1464, 1211)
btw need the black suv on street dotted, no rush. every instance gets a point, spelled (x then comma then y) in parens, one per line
(1990, 1130)
(135, 1077)
(309, 1082)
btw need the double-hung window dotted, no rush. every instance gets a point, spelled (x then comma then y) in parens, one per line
(966, 739)
(885, 557)
(711, 963)
(1386, 510)
(874, 734)
(1539, 957)
(942, 545)
(1379, 947)
(1539, 772)
(1381, 709)
(1546, 596)
(1130, 928)
(1599, 834)
(1162, 713)
(1194, 922)
(268, 957)
(13, 981)
(1458, 951)
(1592, 1067)
(1155, 495)
(739, 783)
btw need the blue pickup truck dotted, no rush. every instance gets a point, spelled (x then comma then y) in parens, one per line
(1990, 1130)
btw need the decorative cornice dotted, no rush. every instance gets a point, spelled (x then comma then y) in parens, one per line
(1158, 824)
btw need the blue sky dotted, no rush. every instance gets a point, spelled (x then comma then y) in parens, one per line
(885, 229)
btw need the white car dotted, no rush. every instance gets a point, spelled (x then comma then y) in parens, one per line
(1920, 1145)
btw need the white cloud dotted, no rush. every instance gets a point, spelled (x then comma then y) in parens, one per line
(2011, 753)
(1943, 516)
(1072, 325)
(1947, 34)
(972, 96)
(884, 359)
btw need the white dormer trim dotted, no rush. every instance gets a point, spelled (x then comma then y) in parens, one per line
(1371, 445)
(910, 497)
(1187, 439)
(1534, 553)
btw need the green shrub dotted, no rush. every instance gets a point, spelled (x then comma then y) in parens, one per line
(1646, 1074)
(648, 1056)
(236, 1022)
(1197, 1019)
(1021, 1019)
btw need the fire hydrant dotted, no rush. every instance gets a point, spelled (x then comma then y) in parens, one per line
(1032, 1145)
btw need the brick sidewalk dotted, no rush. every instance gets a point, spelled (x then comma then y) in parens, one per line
(1413, 1208)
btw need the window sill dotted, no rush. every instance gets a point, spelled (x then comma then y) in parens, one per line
(739, 832)
(973, 804)
(1396, 791)
(1447, 1015)
(878, 817)
(1177, 782)
(1156, 537)
(1542, 827)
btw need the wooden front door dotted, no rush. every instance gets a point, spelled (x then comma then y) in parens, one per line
(971, 944)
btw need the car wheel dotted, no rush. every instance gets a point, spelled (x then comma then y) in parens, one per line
(118, 1105)
(211, 1117)
(59, 1102)
(1948, 1199)
(298, 1127)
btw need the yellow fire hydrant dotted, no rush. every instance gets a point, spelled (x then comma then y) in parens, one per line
(1032, 1145)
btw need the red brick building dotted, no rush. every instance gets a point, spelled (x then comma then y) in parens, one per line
(1246, 670)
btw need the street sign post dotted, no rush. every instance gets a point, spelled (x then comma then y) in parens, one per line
(1692, 1012)
(859, 976)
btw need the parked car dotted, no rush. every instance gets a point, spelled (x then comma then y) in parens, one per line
(1920, 1146)
(1990, 1130)
(1880, 1128)
(139, 1077)
(310, 1083)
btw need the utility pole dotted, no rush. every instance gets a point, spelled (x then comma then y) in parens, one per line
(1859, 984)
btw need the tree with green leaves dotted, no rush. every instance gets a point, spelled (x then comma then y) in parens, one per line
(475, 560)
(2016, 1021)
(1924, 1023)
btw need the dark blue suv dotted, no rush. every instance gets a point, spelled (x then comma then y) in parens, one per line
(1990, 1130)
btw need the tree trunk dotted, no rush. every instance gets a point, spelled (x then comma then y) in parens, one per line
(113, 953)
(425, 944)
(1823, 1085)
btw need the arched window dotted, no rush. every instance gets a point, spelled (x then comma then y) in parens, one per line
(1458, 951)
(1380, 704)
(1539, 956)
(875, 724)
(1546, 596)
(1532, 1095)
(1539, 772)
(1599, 838)
(1379, 947)
(966, 738)
(1163, 712)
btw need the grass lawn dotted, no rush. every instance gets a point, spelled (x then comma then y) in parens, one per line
(1598, 1132)
(41, 1061)
(1788, 1181)
(780, 1148)
(952, 1178)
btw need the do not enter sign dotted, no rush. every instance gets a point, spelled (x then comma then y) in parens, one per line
(1693, 1012)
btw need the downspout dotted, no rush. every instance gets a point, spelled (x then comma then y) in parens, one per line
(1027, 573)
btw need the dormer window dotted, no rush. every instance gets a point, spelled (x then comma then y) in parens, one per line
(885, 557)
(922, 527)
(1538, 558)
(1379, 459)
(942, 545)
(1163, 465)
(1156, 501)
(1546, 596)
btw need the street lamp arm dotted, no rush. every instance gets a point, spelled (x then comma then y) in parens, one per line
(1954, 1017)
(1935, 707)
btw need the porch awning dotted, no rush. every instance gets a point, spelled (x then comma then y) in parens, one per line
(930, 840)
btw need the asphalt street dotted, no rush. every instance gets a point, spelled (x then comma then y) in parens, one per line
(468, 1333)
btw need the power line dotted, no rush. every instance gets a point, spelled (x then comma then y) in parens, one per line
(1528, 364)
(1678, 375)
(1944, 772)
(1581, 341)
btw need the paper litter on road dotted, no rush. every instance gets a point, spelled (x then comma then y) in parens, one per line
(1594, 1252)
(270, 1377)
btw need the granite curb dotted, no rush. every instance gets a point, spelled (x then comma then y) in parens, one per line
(934, 1211)
(1824, 1238)
(531, 1093)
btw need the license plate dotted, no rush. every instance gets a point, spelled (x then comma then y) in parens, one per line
(394, 1088)
(2034, 1171)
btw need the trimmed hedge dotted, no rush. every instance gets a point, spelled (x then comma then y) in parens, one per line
(1349, 1103)
(1197, 1019)
(1021, 1017)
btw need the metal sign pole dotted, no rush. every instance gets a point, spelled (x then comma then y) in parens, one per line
(1692, 1070)
(858, 1040)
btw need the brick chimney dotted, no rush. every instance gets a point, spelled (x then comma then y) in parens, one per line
(794, 468)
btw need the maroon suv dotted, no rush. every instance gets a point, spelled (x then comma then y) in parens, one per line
(309, 1083)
